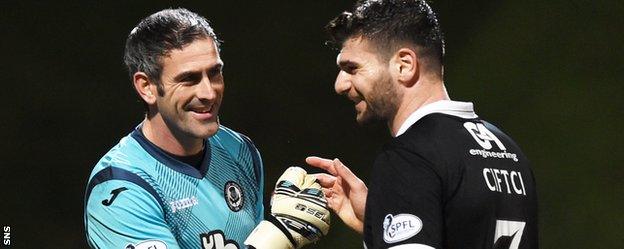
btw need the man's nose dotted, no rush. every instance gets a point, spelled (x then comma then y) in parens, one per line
(343, 83)
(205, 89)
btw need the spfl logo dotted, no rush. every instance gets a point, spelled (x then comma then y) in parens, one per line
(6, 239)
(400, 227)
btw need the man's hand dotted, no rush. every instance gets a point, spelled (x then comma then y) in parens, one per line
(345, 192)
(299, 213)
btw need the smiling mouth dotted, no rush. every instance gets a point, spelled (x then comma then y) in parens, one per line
(202, 110)
(356, 98)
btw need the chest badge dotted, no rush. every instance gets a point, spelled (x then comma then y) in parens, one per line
(234, 196)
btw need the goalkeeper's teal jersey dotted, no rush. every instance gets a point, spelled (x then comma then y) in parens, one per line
(138, 196)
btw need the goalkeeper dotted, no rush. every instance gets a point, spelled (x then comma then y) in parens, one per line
(180, 179)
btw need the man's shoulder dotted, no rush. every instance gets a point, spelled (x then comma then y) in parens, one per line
(447, 140)
(434, 131)
(438, 139)
(123, 167)
(127, 155)
(232, 141)
(239, 148)
(227, 136)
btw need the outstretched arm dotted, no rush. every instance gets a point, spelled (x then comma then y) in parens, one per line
(344, 191)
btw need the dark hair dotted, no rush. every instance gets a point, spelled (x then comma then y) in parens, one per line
(391, 23)
(160, 33)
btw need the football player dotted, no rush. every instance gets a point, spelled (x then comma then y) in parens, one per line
(180, 179)
(447, 179)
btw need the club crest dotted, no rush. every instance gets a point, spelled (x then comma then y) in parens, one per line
(234, 196)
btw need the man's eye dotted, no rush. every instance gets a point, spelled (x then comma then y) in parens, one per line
(215, 72)
(350, 69)
(191, 79)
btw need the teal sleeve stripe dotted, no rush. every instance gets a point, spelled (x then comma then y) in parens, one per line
(256, 159)
(114, 173)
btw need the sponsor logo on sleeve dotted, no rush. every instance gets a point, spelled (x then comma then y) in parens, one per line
(148, 244)
(114, 193)
(400, 227)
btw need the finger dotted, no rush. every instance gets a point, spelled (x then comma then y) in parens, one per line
(309, 181)
(295, 175)
(338, 189)
(344, 172)
(322, 163)
(326, 180)
(327, 192)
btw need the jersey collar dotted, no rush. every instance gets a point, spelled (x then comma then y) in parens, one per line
(169, 161)
(453, 108)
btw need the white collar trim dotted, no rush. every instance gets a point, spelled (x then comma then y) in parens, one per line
(454, 108)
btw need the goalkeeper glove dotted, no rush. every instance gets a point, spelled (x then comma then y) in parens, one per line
(299, 213)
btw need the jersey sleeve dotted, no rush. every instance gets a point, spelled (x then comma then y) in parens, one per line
(260, 193)
(122, 214)
(404, 205)
(259, 175)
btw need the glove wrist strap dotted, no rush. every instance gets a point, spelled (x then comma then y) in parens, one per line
(270, 234)
(281, 227)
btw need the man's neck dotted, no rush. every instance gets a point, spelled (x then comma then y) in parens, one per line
(422, 94)
(157, 132)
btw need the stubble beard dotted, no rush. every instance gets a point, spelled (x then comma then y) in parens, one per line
(382, 102)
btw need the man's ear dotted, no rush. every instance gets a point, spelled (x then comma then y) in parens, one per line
(144, 87)
(405, 63)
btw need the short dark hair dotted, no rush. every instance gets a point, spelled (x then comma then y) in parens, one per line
(160, 33)
(391, 23)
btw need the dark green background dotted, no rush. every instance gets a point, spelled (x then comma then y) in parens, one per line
(547, 72)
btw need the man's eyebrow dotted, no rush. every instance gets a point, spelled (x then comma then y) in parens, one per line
(191, 73)
(218, 66)
(346, 63)
(183, 75)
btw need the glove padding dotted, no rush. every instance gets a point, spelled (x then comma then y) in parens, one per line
(299, 213)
